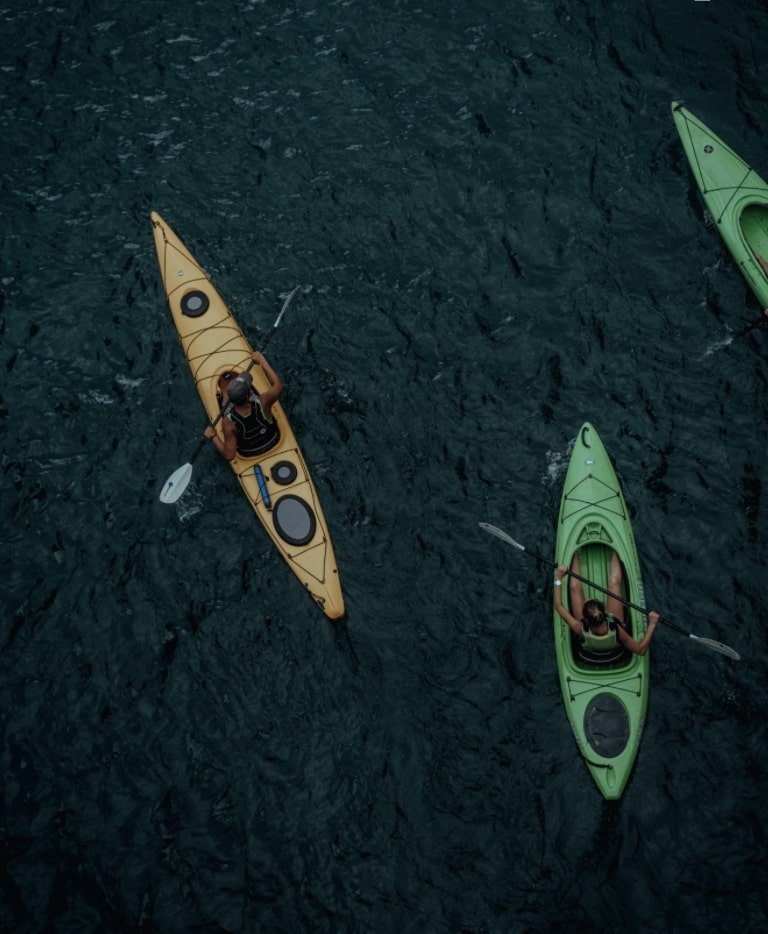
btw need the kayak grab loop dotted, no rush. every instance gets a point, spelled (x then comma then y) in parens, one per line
(606, 725)
(284, 473)
(194, 304)
(599, 765)
(294, 521)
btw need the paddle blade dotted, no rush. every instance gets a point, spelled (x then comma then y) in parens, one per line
(499, 533)
(286, 303)
(717, 647)
(176, 484)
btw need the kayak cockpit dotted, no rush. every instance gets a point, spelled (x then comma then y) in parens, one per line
(754, 228)
(595, 553)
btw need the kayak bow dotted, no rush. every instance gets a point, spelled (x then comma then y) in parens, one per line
(735, 195)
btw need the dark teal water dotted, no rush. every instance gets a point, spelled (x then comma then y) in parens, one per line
(497, 238)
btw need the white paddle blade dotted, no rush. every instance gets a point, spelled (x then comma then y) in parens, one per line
(286, 303)
(495, 530)
(717, 647)
(176, 484)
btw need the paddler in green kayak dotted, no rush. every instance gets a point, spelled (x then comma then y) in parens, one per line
(599, 627)
(249, 429)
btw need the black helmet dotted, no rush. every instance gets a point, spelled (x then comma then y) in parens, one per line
(239, 389)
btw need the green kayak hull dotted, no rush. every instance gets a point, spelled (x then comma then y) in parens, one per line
(606, 701)
(735, 196)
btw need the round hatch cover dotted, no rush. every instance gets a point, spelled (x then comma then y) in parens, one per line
(294, 520)
(284, 472)
(194, 304)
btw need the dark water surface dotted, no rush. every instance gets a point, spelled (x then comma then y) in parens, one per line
(497, 238)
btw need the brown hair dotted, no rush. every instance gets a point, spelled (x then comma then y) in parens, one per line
(594, 613)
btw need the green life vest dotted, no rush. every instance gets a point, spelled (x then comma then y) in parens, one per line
(605, 643)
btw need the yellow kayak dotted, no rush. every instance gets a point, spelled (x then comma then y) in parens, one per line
(277, 483)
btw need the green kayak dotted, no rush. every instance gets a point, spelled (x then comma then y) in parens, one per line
(735, 195)
(606, 695)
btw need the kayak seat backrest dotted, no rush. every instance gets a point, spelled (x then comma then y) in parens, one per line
(601, 659)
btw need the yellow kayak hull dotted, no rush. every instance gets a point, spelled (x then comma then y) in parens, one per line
(277, 483)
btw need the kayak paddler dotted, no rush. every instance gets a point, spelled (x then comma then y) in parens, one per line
(599, 627)
(249, 429)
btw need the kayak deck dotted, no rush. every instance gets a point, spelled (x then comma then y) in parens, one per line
(277, 482)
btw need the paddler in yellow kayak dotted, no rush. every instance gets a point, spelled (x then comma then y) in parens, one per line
(249, 429)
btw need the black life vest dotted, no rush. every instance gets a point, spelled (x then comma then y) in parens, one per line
(255, 432)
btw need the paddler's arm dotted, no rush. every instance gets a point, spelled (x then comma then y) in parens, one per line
(228, 447)
(275, 390)
(574, 624)
(639, 648)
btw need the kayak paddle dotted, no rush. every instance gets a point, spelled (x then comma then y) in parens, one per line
(178, 481)
(707, 643)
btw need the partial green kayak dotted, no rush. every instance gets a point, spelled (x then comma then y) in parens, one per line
(606, 701)
(735, 195)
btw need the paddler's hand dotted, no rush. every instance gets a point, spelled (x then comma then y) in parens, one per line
(258, 357)
(210, 432)
(561, 571)
(653, 619)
